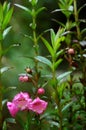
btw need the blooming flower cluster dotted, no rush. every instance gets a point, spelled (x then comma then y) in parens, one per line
(22, 101)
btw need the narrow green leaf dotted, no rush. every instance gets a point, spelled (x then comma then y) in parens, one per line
(6, 31)
(60, 77)
(24, 8)
(81, 8)
(39, 10)
(4, 126)
(59, 53)
(48, 46)
(54, 123)
(67, 106)
(44, 60)
(7, 18)
(52, 37)
(1, 14)
(4, 69)
(11, 120)
(57, 63)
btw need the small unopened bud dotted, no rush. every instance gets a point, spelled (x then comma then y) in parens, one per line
(24, 78)
(28, 70)
(41, 91)
(71, 51)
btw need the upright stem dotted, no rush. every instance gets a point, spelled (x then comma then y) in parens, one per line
(77, 20)
(57, 99)
(35, 38)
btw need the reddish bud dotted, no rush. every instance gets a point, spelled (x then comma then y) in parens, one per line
(41, 91)
(71, 51)
(24, 78)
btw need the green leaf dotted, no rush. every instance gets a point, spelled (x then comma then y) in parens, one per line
(4, 126)
(54, 123)
(24, 8)
(52, 36)
(4, 69)
(81, 8)
(48, 46)
(7, 18)
(6, 31)
(11, 120)
(57, 63)
(1, 14)
(59, 53)
(67, 106)
(60, 77)
(39, 10)
(44, 60)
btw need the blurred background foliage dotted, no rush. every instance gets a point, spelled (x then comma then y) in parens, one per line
(17, 56)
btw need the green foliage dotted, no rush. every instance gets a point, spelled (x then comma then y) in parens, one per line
(65, 90)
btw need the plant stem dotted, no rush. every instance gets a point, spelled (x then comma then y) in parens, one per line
(0, 89)
(77, 20)
(35, 38)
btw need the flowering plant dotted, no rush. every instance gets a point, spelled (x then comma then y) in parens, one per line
(51, 99)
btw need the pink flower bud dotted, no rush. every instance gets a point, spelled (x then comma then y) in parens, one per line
(24, 78)
(71, 51)
(41, 91)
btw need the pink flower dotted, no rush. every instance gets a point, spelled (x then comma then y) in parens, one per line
(19, 103)
(38, 105)
(13, 109)
(41, 91)
(22, 100)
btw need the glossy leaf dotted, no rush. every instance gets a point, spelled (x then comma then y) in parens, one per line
(65, 74)
(6, 31)
(23, 8)
(4, 69)
(67, 106)
(44, 60)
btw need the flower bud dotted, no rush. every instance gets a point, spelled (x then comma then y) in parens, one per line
(41, 91)
(71, 51)
(24, 78)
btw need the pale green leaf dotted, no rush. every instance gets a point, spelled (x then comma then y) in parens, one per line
(23, 8)
(44, 60)
(65, 74)
(6, 31)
